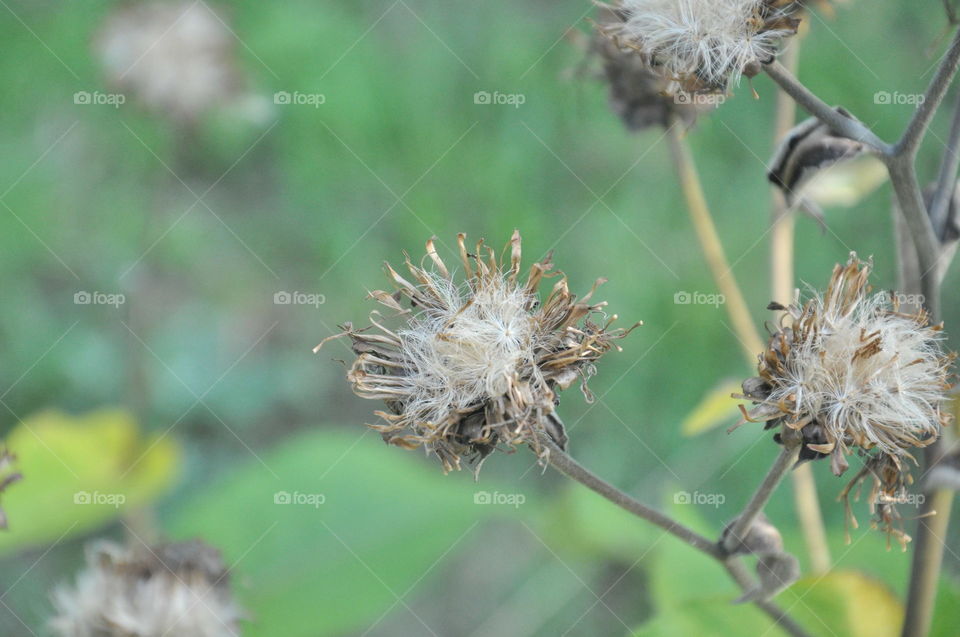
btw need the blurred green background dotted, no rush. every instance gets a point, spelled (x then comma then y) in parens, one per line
(222, 405)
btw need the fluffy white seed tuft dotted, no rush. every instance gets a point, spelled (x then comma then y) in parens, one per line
(469, 349)
(705, 44)
(867, 373)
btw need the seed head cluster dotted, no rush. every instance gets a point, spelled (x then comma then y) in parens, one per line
(704, 46)
(477, 364)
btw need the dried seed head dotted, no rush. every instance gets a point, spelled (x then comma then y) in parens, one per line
(477, 363)
(704, 46)
(172, 589)
(849, 371)
(637, 93)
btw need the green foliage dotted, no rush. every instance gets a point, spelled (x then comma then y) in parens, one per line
(80, 472)
(308, 570)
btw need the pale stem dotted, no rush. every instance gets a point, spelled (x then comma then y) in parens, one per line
(712, 247)
(565, 464)
(782, 235)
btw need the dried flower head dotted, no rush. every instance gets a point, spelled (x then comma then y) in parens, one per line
(849, 371)
(176, 58)
(638, 94)
(478, 364)
(704, 46)
(172, 589)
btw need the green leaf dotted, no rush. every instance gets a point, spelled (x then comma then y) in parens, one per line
(845, 603)
(713, 410)
(365, 524)
(80, 472)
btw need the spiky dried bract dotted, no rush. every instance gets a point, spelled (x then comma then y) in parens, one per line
(478, 364)
(850, 371)
(172, 589)
(706, 45)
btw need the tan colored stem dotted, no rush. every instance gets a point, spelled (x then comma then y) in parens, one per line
(712, 247)
(782, 238)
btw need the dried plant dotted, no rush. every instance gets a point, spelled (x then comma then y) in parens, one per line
(849, 370)
(478, 364)
(705, 45)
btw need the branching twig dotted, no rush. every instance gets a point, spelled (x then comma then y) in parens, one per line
(900, 161)
(566, 465)
(917, 129)
(845, 126)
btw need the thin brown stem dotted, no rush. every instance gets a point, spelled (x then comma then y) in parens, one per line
(713, 252)
(565, 464)
(844, 126)
(917, 128)
(781, 466)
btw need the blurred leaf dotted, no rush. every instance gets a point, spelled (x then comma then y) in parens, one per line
(80, 472)
(713, 410)
(313, 569)
(845, 603)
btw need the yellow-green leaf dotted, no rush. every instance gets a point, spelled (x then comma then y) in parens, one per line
(846, 603)
(713, 410)
(80, 472)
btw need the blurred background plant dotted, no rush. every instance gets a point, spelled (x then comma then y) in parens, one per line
(167, 276)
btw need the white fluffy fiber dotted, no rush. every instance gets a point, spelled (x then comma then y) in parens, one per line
(890, 399)
(712, 40)
(113, 599)
(468, 350)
